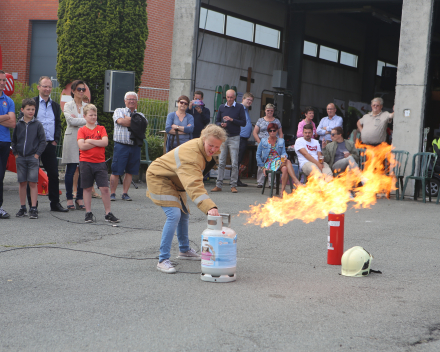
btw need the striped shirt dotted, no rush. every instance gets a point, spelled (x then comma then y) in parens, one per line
(121, 134)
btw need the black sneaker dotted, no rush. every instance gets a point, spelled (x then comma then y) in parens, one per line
(33, 213)
(22, 213)
(4, 214)
(111, 218)
(89, 217)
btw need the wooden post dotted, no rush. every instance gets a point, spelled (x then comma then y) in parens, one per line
(249, 77)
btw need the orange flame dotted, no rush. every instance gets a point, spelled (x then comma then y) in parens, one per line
(317, 198)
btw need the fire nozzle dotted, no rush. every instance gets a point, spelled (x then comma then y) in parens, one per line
(335, 244)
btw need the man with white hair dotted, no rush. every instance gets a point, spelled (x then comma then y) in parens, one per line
(126, 154)
(373, 126)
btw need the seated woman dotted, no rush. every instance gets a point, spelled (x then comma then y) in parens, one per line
(269, 153)
(179, 123)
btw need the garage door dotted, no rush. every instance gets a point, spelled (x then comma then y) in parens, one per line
(43, 50)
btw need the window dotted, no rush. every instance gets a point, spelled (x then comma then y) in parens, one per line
(310, 48)
(327, 53)
(214, 21)
(219, 21)
(349, 59)
(267, 36)
(240, 29)
(381, 64)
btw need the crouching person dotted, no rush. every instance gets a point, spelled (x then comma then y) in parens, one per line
(28, 143)
(174, 174)
(92, 140)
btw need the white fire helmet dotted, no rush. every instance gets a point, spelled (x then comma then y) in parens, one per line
(356, 261)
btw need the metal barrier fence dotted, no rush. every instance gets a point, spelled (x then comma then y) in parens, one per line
(153, 103)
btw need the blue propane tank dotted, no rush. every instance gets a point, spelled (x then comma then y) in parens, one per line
(219, 250)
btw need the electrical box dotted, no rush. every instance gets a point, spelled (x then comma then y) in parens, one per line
(279, 79)
(116, 84)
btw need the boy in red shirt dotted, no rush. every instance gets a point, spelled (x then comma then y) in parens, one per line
(92, 140)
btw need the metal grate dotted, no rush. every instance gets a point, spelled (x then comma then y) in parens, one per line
(153, 103)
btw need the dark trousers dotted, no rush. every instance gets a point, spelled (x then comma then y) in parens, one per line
(4, 155)
(68, 181)
(241, 151)
(50, 164)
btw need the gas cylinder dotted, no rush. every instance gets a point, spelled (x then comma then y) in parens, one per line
(219, 250)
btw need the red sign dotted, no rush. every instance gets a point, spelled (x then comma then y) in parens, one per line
(10, 85)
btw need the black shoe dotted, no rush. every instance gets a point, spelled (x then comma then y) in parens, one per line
(33, 213)
(21, 213)
(89, 217)
(58, 207)
(111, 218)
(3, 214)
(259, 186)
(241, 184)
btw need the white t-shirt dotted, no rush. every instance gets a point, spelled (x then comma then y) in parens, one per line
(312, 148)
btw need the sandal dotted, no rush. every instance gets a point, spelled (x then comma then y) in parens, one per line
(96, 195)
(71, 207)
(79, 206)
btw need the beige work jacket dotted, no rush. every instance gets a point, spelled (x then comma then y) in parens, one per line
(178, 172)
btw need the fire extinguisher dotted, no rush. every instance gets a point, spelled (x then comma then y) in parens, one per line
(335, 244)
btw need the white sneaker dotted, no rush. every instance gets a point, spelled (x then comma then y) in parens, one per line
(166, 267)
(190, 255)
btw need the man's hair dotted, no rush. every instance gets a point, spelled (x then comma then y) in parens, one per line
(131, 93)
(235, 93)
(89, 107)
(308, 127)
(248, 95)
(307, 109)
(2, 72)
(43, 77)
(378, 99)
(338, 130)
(199, 92)
(74, 85)
(27, 102)
(214, 131)
(334, 105)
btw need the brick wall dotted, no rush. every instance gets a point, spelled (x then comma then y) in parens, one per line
(16, 35)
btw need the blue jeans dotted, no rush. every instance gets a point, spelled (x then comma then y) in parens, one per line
(68, 181)
(176, 220)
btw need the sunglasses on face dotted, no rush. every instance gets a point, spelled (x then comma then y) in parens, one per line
(272, 130)
(183, 102)
(80, 89)
(333, 134)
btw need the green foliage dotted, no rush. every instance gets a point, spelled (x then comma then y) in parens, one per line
(99, 35)
(155, 147)
(155, 111)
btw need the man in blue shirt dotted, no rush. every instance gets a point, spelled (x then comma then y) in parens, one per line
(7, 121)
(231, 117)
(246, 131)
(201, 114)
(328, 123)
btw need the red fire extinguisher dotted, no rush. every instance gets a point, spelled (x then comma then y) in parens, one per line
(335, 244)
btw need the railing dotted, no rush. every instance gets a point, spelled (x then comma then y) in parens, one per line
(153, 103)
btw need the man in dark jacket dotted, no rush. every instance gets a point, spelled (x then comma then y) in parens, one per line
(231, 117)
(48, 113)
(201, 114)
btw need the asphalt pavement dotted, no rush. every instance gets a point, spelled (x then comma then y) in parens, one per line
(95, 287)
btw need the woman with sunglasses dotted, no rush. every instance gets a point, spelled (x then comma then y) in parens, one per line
(73, 112)
(179, 123)
(260, 131)
(271, 155)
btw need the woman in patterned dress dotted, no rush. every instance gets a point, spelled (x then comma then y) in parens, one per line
(269, 154)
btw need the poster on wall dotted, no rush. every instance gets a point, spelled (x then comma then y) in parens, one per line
(340, 106)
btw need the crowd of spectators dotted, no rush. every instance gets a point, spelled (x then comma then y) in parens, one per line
(37, 132)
